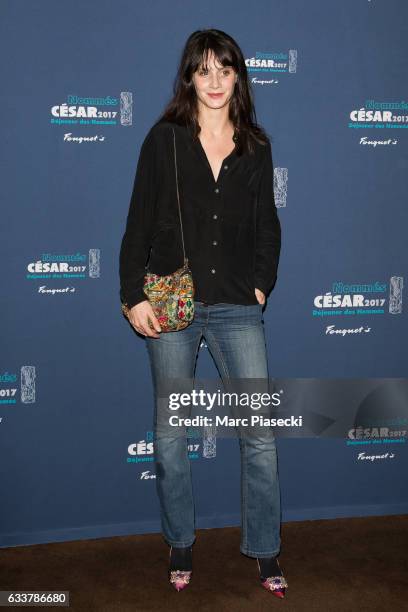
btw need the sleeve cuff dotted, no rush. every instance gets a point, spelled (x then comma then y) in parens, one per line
(135, 298)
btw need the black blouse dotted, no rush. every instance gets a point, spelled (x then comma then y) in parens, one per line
(232, 233)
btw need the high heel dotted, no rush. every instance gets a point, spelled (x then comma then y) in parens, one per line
(180, 578)
(277, 584)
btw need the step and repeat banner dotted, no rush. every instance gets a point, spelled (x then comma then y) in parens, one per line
(81, 86)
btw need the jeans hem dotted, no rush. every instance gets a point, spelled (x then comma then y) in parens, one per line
(260, 555)
(180, 544)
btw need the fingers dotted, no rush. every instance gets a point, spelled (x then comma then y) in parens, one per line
(260, 296)
(143, 328)
(144, 321)
(148, 328)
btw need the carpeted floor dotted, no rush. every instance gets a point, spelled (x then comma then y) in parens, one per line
(330, 565)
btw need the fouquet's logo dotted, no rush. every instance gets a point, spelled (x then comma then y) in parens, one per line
(67, 267)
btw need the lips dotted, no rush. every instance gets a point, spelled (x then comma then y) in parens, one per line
(216, 95)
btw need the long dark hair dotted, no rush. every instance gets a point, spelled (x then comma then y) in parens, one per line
(183, 108)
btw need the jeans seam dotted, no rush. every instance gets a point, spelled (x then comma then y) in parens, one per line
(219, 352)
(244, 464)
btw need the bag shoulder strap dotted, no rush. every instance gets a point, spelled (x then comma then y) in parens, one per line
(178, 198)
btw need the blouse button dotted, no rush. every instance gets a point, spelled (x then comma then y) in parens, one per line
(215, 216)
(213, 271)
(217, 190)
(215, 242)
(225, 167)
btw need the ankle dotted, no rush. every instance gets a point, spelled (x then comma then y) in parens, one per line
(268, 566)
(181, 558)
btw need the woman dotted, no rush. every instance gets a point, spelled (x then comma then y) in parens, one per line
(232, 240)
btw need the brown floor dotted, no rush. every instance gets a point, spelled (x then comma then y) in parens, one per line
(330, 565)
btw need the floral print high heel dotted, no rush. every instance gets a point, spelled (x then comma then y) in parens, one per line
(276, 584)
(180, 579)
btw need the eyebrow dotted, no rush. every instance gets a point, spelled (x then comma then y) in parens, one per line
(222, 67)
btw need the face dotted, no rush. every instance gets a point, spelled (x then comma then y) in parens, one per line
(215, 85)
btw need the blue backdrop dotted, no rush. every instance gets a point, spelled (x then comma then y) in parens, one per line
(82, 83)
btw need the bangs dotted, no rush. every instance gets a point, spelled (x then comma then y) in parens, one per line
(222, 56)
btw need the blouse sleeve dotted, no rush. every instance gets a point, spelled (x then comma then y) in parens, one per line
(136, 241)
(268, 229)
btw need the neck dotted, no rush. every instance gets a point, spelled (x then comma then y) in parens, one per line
(214, 122)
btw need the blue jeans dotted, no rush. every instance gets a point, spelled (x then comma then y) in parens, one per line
(235, 338)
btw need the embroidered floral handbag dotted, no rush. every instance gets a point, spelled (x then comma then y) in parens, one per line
(171, 296)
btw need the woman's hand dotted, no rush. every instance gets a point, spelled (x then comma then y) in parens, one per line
(260, 296)
(140, 316)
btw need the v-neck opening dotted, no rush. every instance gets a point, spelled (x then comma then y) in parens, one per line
(222, 163)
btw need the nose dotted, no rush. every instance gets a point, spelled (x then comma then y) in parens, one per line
(214, 80)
